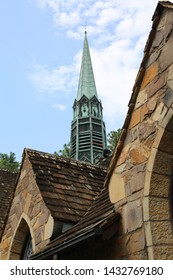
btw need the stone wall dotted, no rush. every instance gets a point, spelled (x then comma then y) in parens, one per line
(27, 206)
(140, 183)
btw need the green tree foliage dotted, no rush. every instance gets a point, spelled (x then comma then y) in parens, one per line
(8, 162)
(112, 138)
(65, 152)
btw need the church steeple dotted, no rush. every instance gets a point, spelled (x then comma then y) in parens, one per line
(86, 84)
(88, 135)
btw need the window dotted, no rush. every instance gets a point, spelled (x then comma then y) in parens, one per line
(27, 248)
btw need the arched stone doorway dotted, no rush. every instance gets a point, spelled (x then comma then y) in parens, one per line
(21, 246)
(157, 203)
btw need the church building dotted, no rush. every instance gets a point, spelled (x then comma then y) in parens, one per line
(72, 208)
(140, 176)
(52, 194)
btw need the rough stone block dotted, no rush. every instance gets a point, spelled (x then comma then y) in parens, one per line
(142, 255)
(38, 234)
(138, 154)
(153, 57)
(136, 118)
(160, 112)
(6, 243)
(132, 216)
(161, 233)
(150, 73)
(136, 241)
(148, 108)
(163, 163)
(166, 143)
(37, 209)
(135, 196)
(134, 179)
(163, 252)
(159, 185)
(168, 97)
(146, 129)
(145, 112)
(158, 209)
(141, 98)
(156, 84)
(131, 136)
(152, 102)
(167, 122)
(158, 39)
(168, 27)
(166, 56)
(123, 155)
(27, 203)
(48, 229)
(170, 77)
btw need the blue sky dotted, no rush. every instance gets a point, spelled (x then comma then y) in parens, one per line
(40, 53)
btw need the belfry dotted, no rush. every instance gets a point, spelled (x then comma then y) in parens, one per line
(88, 134)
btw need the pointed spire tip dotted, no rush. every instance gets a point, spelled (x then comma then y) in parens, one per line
(85, 29)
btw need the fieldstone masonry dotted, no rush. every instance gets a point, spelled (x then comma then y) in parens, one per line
(139, 178)
(28, 213)
(145, 159)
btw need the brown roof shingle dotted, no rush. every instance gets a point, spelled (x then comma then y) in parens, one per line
(100, 216)
(68, 187)
(7, 187)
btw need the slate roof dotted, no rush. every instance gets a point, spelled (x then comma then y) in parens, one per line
(7, 188)
(100, 219)
(156, 17)
(68, 187)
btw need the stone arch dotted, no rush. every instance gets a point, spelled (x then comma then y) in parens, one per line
(22, 232)
(156, 202)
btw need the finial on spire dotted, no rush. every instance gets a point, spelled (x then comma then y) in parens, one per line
(85, 28)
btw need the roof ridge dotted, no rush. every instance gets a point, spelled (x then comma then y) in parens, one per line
(65, 159)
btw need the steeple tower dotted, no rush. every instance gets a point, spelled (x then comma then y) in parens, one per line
(88, 136)
(86, 85)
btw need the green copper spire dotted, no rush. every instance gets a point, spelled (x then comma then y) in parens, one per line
(88, 133)
(86, 84)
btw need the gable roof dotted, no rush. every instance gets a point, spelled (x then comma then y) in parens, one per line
(7, 187)
(156, 18)
(100, 219)
(68, 187)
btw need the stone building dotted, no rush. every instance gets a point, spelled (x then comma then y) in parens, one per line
(139, 178)
(67, 209)
(51, 195)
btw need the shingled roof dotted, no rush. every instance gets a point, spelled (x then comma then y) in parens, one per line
(7, 187)
(68, 187)
(100, 219)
